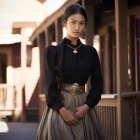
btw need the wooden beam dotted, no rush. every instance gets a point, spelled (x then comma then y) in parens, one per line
(87, 3)
(123, 109)
(108, 102)
(49, 34)
(41, 45)
(23, 73)
(89, 33)
(24, 24)
(58, 30)
(132, 52)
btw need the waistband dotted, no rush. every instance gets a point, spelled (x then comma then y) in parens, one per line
(73, 89)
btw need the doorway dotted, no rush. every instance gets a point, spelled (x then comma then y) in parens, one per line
(3, 66)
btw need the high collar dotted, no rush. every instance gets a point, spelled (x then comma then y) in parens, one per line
(68, 41)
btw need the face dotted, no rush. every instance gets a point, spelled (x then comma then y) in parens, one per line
(75, 25)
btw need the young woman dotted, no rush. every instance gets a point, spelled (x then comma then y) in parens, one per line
(70, 113)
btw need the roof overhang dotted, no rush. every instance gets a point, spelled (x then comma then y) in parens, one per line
(16, 26)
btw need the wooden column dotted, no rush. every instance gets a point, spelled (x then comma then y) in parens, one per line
(89, 34)
(123, 106)
(49, 34)
(23, 73)
(132, 52)
(105, 57)
(41, 45)
(58, 30)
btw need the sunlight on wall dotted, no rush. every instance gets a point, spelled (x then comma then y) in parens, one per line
(17, 83)
(32, 75)
(3, 127)
(96, 42)
(9, 75)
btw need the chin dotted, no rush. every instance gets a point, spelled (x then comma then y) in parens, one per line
(75, 36)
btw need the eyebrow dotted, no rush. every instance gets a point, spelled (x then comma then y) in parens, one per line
(80, 21)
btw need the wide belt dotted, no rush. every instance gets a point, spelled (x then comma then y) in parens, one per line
(73, 89)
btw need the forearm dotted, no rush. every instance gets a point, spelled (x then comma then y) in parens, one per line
(86, 106)
(62, 109)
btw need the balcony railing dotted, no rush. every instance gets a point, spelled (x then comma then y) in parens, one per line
(107, 111)
(6, 97)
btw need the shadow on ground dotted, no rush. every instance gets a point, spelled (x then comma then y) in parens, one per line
(18, 131)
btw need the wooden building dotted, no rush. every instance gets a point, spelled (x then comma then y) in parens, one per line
(19, 62)
(117, 22)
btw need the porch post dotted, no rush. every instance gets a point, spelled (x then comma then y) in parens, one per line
(123, 106)
(58, 30)
(89, 34)
(41, 45)
(49, 34)
(23, 73)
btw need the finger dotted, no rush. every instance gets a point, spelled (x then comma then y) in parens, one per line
(76, 120)
(75, 111)
(73, 122)
(76, 115)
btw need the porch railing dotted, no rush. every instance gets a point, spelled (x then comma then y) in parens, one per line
(107, 111)
(6, 97)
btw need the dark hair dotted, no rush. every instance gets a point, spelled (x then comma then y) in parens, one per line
(74, 9)
(70, 10)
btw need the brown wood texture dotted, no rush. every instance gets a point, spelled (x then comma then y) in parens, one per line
(58, 30)
(108, 118)
(41, 45)
(123, 108)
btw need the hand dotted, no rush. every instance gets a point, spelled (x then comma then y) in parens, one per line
(81, 111)
(68, 116)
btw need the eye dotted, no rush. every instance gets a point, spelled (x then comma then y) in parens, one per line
(82, 23)
(73, 22)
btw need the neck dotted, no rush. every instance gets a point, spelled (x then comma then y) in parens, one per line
(73, 39)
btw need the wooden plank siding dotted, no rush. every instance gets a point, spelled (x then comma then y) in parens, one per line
(32, 76)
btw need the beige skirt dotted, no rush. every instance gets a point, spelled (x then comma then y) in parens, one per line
(53, 126)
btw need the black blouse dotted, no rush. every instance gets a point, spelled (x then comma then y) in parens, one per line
(76, 69)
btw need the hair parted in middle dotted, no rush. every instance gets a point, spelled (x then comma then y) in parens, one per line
(70, 10)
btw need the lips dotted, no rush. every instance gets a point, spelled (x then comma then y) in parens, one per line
(76, 32)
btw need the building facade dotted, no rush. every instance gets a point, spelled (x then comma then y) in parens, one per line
(19, 61)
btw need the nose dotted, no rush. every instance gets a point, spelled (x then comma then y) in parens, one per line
(77, 27)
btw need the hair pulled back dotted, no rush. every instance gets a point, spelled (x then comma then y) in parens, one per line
(70, 10)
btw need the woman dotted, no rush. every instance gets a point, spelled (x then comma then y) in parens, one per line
(70, 113)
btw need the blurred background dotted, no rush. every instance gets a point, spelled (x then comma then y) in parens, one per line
(27, 27)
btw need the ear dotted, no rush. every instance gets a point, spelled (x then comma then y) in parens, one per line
(64, 23)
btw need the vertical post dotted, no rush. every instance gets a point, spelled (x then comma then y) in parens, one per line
(89, 7)
(123, 107)
(132, 51)
(23, 70)
(58, 30)
(41, 45)
(49, 34)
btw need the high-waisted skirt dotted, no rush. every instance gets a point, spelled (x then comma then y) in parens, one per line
(53, 126)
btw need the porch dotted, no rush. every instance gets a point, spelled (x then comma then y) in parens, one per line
(114, 22)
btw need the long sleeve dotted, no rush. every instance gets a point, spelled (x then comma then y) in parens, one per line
(95, 91)
(49, 79)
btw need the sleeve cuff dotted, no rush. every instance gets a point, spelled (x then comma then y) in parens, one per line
(89, 102)
(58, 105)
